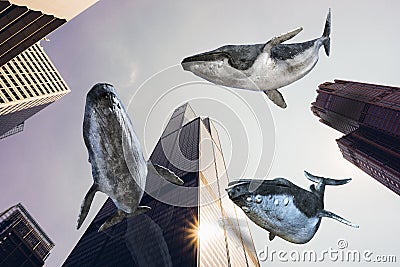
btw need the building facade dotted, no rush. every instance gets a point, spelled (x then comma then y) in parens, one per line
(21, 27)
(22, 241)
(28, 83)
(25, 22)
(191, 225)
(28, 80)
(369, 116)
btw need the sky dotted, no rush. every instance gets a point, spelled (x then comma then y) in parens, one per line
(138, 45)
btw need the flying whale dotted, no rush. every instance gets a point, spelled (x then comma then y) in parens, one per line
(261, 67)
(119, 168)
(284, 209)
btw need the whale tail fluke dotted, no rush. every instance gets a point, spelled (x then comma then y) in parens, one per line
(321, 182)
(326, 181)
(326, 34)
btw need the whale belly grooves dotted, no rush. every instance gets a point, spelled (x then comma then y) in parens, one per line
(107, 136)
(271, 73)
(118, 166)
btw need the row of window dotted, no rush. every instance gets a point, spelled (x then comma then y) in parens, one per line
(375, 171)
(29, 74)
(384, 119)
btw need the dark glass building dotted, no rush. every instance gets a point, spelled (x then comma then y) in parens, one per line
(22, 241)
(191, 225)
(369, 116)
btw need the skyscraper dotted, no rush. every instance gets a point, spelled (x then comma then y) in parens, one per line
(28, 80)
(193, 225)
(28, 83)
(25, 22)
(369, 115)
(22, 241)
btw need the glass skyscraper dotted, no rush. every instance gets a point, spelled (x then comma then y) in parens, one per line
(22, 241)
(191, 225)
(369, 115)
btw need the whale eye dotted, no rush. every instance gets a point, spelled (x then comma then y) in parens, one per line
(258, 199)
(249, 199)
(238, 189)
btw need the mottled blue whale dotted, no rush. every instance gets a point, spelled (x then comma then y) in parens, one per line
(119, 168)
(261, 67)
(284, 209)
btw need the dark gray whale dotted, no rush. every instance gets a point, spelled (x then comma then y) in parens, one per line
(119, 168)
(261, 67)
(283, 208)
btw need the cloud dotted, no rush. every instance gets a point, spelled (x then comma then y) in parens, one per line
(132, 74)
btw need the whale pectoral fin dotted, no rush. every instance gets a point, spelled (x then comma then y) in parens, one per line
(120, 215)
(87, 201)
(164, 172)
(139, 210)
(117, 217)
(281, 38)
(328, 214)
(271, 236)
(276, 97)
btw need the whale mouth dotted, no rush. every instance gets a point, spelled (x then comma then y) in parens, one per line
(232, 193)
(214, 56)
(229, 191)
(204, 57)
